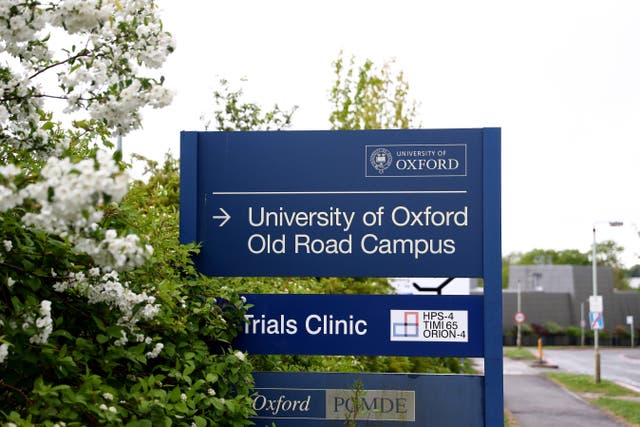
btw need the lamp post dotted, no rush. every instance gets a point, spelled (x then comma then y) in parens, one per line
(594, 268)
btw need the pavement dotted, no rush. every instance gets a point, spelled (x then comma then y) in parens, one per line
(536, 401)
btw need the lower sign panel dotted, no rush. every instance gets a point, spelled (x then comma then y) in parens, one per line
(368, 325)
(329, 399)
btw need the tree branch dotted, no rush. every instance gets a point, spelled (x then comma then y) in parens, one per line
(83, 52)
(16, 389)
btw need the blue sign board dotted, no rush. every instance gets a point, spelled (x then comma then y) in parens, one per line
(388, 203)
(368, 325)
(391, 400)
(366, 203)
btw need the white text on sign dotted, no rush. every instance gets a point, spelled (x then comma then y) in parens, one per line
(314, 324)
(284, 241)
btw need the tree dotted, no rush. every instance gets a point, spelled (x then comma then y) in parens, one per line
(550, 256)
(369, 97)
(608, 254)
(634, 271)
(97, 327)
(233, 113)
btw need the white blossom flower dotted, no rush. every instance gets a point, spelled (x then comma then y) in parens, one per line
(155, 352)
(183, 397)
(4, 115)
(211, 392)
(107, 289)
(70, 203)
(4, 352)
(122, 340)
(9, 196)
(240, 355)
(10, 282)
(79, 16)
(107, 396)
(9, 171)
(44, 324)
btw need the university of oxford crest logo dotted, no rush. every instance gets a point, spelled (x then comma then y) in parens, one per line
(381, 159)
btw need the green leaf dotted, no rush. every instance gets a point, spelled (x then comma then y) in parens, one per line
(99, 323)
(114, 331)
(174, 396)
(189, 368)
(140, 423)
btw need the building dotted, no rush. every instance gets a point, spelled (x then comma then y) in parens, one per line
(560, 294)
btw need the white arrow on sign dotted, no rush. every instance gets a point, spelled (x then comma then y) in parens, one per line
(226, 217)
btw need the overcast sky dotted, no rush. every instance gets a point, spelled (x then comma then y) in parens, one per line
(561, 78)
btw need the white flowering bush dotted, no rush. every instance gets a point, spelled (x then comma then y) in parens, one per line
(103, 319)
(104, 74)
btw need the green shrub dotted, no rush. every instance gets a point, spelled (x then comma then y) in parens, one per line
(574, 331)
(553, 328)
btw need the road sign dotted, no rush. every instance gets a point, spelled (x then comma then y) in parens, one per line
(519, 317)
(370, 325)
(629, 320)
(324, 399)
(595, 303)
(596, 320)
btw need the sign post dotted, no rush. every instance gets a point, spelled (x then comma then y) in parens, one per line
(385, 203)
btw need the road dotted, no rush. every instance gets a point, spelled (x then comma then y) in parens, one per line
(616, 364)
(535, 401)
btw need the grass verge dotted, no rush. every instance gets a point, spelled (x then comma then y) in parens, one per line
(509, 419)
(611, 397)
(519, 354)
